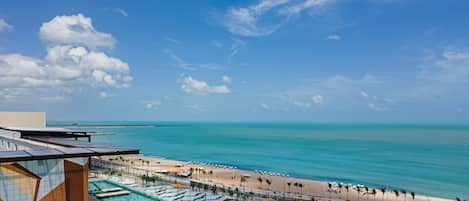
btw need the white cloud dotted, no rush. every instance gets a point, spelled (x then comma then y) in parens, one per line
(226, 79)
(337, 91)
(181, 63)
(297, 8)
(15, 65)
(318, 99)
(302, 104)
(169, 39)
(4, 26)
(11, 94)
(388, 100)
(308, 103)
(65, 68)
(248, 21)
(374, 107)
(235, 47)
(120, 11)
(190, 85)
(333, 37)
(265, 106)
(75, 30)
(104, 94)
(451, 65)
(244, 21)
(52, 98)
(363, 94)
(153, 105)
(84, 59)
(196, 107)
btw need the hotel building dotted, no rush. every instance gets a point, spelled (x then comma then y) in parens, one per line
(38, 163)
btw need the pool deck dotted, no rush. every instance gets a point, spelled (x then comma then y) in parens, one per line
(92, 198)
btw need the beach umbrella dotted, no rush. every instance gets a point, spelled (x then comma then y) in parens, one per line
(175, 170)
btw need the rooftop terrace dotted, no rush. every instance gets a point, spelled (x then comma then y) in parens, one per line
(23, 144)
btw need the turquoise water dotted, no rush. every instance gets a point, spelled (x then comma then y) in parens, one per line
(133, 196)
(427, 159)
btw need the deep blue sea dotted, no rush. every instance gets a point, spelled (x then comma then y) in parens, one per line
(427, 159)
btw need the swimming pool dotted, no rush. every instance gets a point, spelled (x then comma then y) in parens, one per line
(133, 196)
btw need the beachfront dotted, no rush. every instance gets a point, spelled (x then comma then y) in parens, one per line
(261, 184)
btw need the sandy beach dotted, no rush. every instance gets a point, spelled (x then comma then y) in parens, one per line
(279, 185)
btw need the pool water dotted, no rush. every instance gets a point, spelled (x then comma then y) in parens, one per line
(133, 196)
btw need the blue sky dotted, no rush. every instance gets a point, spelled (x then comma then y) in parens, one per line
(261, 60)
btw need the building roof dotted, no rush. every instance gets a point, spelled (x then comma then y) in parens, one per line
(65, 142)
(26, 129)
(42, 154)
(52, 143)
(49, 131)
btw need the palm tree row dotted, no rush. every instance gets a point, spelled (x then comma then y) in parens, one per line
(267, 181)
(372, 191)
(201, 170)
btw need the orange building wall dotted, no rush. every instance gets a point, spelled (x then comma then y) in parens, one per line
(76, 181)
(58, 194)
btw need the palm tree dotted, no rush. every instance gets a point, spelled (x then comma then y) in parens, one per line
(268, 183)
(412, 194)
(210, 173)
(366, 189)
(383, 190)
(241, 181)
(340, 188)
(405, 194)
(396, 192)
(296, 185)
(259, 179)
(358, 192)
(289, 184)
(301, 188)
(458, 199)
(374, 194)
(347, 188)
(203, 172)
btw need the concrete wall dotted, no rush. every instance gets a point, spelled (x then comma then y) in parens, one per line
(23, 119)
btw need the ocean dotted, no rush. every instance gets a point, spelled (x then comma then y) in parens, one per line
(426, 159)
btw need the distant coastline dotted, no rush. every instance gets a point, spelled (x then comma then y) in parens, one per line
(100, 126)
(113, 126)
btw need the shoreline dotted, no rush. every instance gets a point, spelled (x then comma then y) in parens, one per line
(279, 184)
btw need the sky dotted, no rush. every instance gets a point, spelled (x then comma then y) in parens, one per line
(259, 60)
